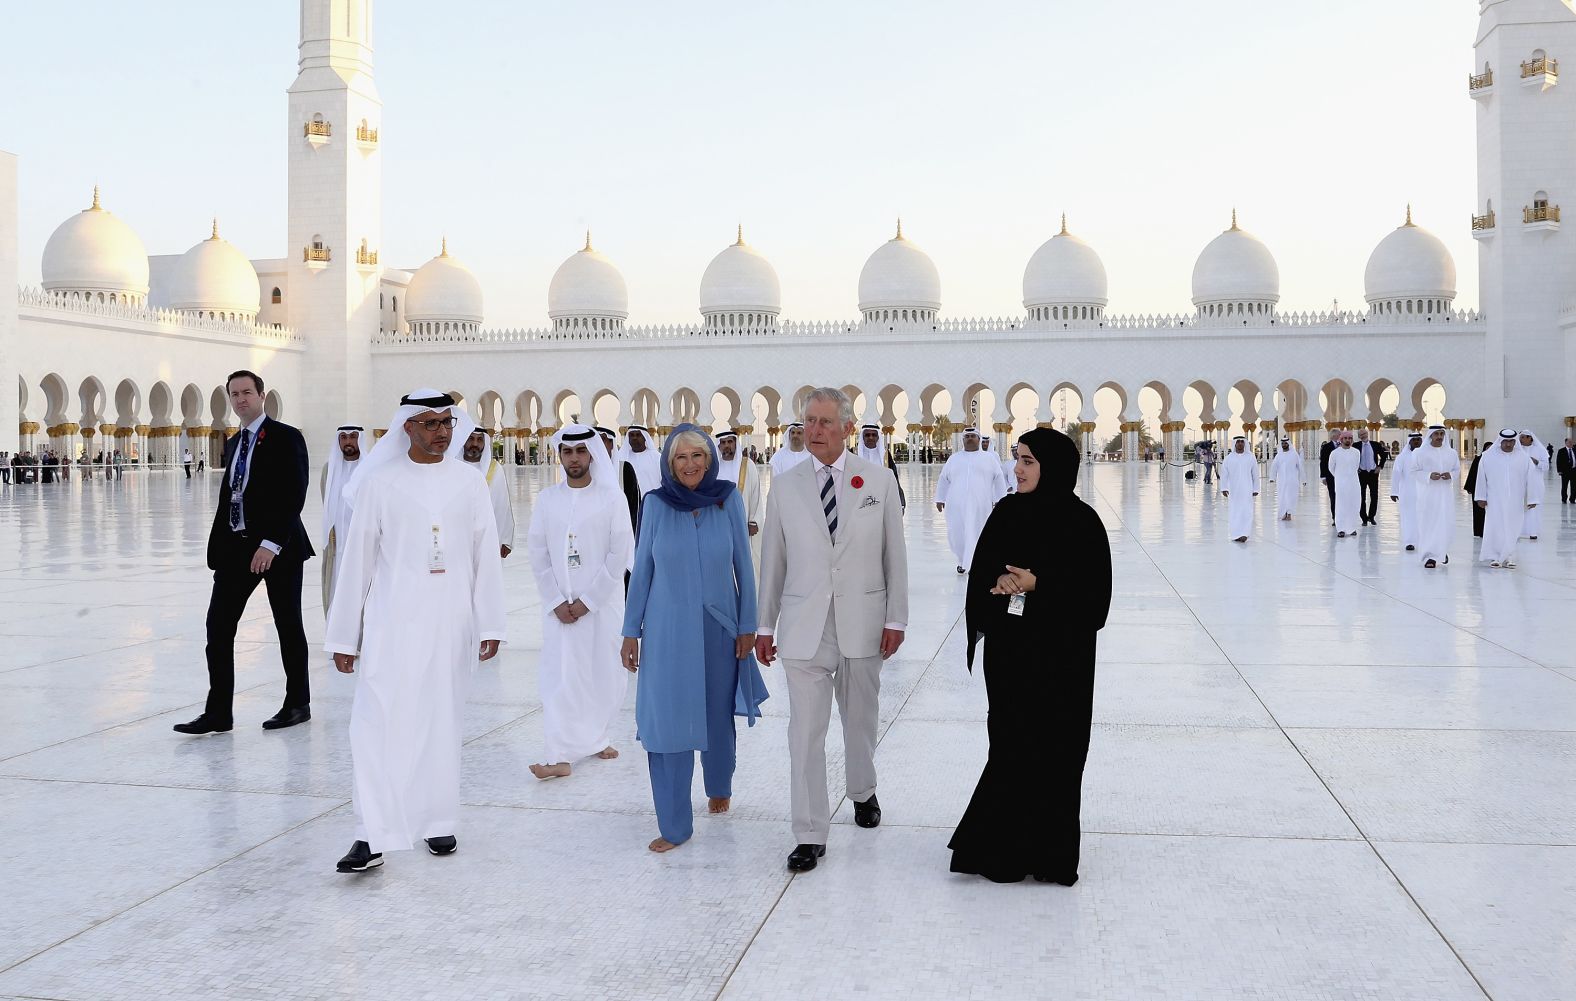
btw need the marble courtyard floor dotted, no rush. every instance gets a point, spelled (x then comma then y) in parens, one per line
(1317, 771)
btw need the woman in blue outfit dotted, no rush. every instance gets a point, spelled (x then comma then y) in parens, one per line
(689, 632)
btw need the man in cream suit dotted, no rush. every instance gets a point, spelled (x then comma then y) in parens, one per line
(834, 603)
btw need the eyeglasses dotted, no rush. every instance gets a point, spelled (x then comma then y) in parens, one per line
(434, 424)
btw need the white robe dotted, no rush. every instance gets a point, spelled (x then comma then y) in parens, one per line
(498, 491)
(1434, 501)
(1403, 490)
(746, 475)
(580, 673)
(416, 634)
(785, 459)
(336, 520)
(1348, 488)
(970, 485)
(1286, 474)
(1239, 476)
(1509, 481)
(647, 466)
(1009, 472)
(1532, 521)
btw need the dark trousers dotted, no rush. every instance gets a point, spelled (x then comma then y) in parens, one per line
(188, 470)
(1369, 502)
(1329, 488)
(1567, 487)
(233, 584)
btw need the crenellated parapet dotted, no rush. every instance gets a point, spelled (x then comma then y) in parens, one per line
(149, 320)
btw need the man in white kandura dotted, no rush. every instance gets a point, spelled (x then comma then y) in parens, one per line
(834, 603)
(478, 453)
(736, 468)
(969, 486)
(1286, 474)
(1508, 486)
(580, 546)
(341, 464)
(1009, 469)
(419, 602)
(1343, 463)
(792, 453)
(642, 457)
(1435, 468)
(1239, 474)
(1403, 489)
(1538, 453)
(873, 449)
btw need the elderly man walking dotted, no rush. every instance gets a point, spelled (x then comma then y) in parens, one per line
(834, 603)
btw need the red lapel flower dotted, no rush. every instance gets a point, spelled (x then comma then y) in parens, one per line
(857, 482)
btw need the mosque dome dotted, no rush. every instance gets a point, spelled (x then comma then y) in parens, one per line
(1410, 271)
(899, 283)
(443, 297)
(1236, 274)
(215, 279)
(1065, 279)
(740, 288)
(587, 292)
(94, 254)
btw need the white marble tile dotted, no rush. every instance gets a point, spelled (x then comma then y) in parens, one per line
(1437, 698)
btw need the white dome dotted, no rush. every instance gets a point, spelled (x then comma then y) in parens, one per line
(899, 276)
(1235, 267)
(740, 279)
(1064, 271)
(94, 251)
(443, 289)
(1410, 263)
(587, 284)
(215, 276)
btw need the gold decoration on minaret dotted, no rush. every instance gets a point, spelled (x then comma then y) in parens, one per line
(587, 248)
(899, 228)
(444, 252)
(1233, 228)
(95, 206)
(1064, 224)
(740, 241)
(1408, 215)
(215, 235)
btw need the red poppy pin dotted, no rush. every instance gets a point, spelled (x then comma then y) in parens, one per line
(857, 482)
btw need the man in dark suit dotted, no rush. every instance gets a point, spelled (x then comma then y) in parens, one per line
(1371, 458)
(1324, 468)
(1565, 465)
(257, 537)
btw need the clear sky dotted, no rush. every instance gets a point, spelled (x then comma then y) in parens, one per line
(511, 125)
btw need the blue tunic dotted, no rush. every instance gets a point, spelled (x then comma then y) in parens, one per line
(688, 567)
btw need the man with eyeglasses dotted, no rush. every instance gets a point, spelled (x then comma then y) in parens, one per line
(418, 603)
(257, 537)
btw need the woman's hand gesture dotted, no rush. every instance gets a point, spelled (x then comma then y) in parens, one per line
(629, 656)
(1015, 581)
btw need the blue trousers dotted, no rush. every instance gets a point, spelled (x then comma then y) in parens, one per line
(673, 774)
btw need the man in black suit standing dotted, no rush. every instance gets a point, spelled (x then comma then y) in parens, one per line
(1324, 467)
(257, 536)
(1371, 458)
(1565, 465)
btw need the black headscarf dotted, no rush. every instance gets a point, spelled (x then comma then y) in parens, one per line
(1051, 532)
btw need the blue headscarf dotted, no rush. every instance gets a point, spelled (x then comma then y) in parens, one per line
(711, 491)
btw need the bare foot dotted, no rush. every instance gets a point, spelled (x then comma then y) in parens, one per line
(558, 771)
(607, 753)
(662, 845)
(718, 804)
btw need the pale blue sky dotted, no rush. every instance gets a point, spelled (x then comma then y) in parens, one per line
(512, 124)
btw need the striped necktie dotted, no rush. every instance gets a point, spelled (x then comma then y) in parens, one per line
(829, 499)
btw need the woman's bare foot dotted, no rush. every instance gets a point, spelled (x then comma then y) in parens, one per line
(558, 771)
(718, 804)
(662, 845)
(607, 753)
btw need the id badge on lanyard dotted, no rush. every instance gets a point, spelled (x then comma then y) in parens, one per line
(1015, 605)
(573, 554)
(435, 563)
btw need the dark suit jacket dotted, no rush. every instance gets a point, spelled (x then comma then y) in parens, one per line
(275, 494)
(1381, 453)
(1324, 459)
(1563, 463)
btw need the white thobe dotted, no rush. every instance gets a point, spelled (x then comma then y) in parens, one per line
(1239, 477)
(746, 476)
(970, 485)
(420, 586)
(647, 466)
(1009, 472)
(1286, 473)
(786, 458)
(336, 518)
(1348, 489)
(1434, 501)
(503, 508)
(1509, 481)
(580, 673)
(1532, 521)
(1403, 490)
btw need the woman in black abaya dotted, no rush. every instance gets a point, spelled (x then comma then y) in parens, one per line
(1043, 553)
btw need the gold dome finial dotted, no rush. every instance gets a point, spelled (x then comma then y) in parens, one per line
(1064, 224)
(95, 204)
(587, 248)
(215, 235)
(740, 241)
(1409, 214)
(444, 252)
(1233, 228)
(899, 228)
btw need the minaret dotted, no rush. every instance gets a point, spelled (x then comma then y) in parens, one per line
(1526, 257)
(335, 203)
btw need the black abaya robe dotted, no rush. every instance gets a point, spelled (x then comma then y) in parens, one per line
(1039, 673)
(1470, 486)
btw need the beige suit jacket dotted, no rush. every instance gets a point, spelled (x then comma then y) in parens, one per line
(864, 575)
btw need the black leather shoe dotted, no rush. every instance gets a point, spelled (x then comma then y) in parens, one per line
(445, 845)
(1063, 880)
(868, 813)
(360, 858)
(202, 724)
(802, 858)
(287, 717)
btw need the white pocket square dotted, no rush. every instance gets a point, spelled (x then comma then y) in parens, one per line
(868, 502)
